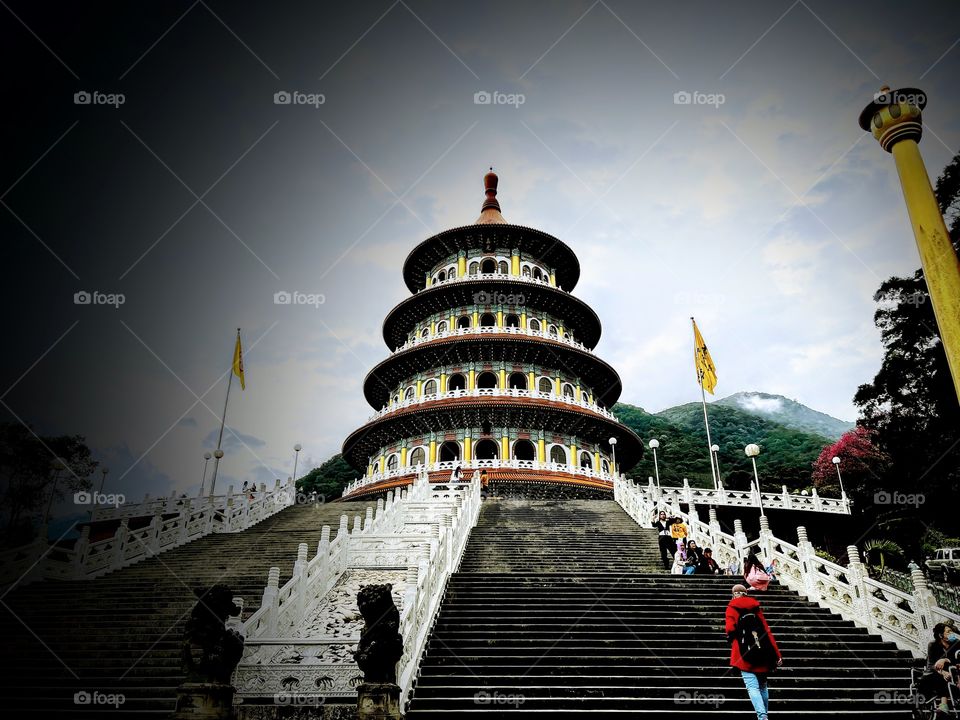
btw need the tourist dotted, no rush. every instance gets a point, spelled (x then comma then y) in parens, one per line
(753, 649)
(694, 558)
(708, 566)
(484, 484)
(679, 559)
(662, 525)
(941, 660)
(678, 529)
(457, 474)
(754, 573)
(244, 488)
(733, 568)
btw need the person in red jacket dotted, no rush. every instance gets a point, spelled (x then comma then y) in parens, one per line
(761, 656)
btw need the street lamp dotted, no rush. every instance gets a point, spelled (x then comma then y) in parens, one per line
(296, 456)
(751, 451)
(217, 456)
(836, 464)
(613, 451)
(715, 449)
(653, 445)
(203, 481)
(103, 478)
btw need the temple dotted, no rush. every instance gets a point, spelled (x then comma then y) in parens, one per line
(492, 366)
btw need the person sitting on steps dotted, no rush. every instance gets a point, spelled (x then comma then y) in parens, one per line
(694, 558)
(753, 649)
(679, 559)
(708, 566)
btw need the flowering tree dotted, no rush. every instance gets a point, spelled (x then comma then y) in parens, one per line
(861, 463)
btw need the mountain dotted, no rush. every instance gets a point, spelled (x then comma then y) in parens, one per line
(788, 413)
(786, 454)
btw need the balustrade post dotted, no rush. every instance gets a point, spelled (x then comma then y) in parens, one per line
(721, 493)
(120, 543)
(687, 492)
(807, 556)
(766, 537)
(817, 502)
(184, 521)
(300, 587)
(156, 523)
(714, 527)
(924, 602)
(856, 574)
(357, 525)
(380, 508)
(694, 519)
(323, 547)
(271, 599)
(787, 500)
(342, 530)
(739, 541)
(80, 549)
(368, 520)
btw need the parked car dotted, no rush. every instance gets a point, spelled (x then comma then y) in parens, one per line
(945, 564)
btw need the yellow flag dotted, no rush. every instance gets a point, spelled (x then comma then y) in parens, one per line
(706, 370)
(238, 362)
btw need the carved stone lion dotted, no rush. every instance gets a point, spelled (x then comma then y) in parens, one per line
(211, 651)
(380, 646)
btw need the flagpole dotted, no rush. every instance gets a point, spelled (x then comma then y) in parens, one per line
(223, 421)
(706, 421)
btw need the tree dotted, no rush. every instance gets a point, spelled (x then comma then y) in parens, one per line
(30, 472)
(329, 479)
(862, 464)
(911, 405)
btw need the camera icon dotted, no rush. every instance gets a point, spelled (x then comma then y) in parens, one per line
(82, 498)
(682, 97)
(481, 298)
(82, 298)
(282, 98)
(482, 97)
(82, 98)
(882, 497)
(82, 698)
(282, 297)
(482, 698)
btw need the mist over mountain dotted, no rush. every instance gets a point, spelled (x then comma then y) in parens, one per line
(787, 412)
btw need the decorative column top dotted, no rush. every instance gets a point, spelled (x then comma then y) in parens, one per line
(894, 115)
(490, 212)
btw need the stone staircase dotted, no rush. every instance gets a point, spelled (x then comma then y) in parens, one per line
(560, 608)
(122, 633)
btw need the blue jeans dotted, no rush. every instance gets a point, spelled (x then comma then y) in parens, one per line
(757, 689)
(689, 570)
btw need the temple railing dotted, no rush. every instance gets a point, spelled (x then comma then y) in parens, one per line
(173, 522)
(783, 500)
(450, 465)
(497, 393)
(904, 618)
(502, 277)
(493, 330)
(300, 642)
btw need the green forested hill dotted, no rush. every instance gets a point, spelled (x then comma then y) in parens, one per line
(786, 455)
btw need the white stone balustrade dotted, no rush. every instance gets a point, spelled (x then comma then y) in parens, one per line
(303, 636)
(783, 500)
(903, 618)
(493, 330)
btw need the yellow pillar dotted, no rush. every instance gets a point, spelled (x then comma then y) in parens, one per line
(531, 381)
(499, 318)
(503, 378)
(898, 132)
(452, 322)
(419, 389)
(403, 456)
(467, 448)
(542, 450)
(383, 463)
(443, 383)
(553, 278)
(515, 263)
(471, 379)
(596, 461)
(576, 393)
(476, 319)
(556, 385)
(523, 320)
(573, 455)
(504, 448)
(369, 469)
(560, 331)
(428, 281)
(433, 451)
(461, 266)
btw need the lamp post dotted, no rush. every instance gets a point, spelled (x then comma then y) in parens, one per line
(613, 452)
(103, 478)
(653, 445)
(296, 456)
(751, 451)
(206, 460)
(836, 464)
(217, 456)
(715, 449)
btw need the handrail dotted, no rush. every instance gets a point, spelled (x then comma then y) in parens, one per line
(783, 500)
(491, 277)
(492, 330)
(905, 619)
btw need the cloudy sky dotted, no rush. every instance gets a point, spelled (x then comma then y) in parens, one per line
(763, 209)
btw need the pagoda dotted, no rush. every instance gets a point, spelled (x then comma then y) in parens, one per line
(492, 366)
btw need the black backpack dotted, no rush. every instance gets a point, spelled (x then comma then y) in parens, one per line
(753, 640)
